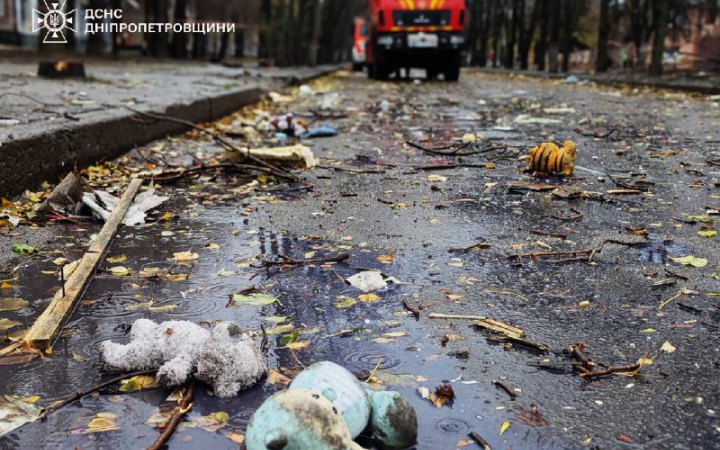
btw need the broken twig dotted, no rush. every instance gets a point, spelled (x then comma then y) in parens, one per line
(180, 412)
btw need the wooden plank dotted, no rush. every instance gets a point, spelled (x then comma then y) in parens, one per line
(47, 327)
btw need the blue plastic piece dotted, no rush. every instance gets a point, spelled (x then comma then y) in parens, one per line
(318, 132)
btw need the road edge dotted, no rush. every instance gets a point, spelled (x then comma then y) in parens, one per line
(49, 155)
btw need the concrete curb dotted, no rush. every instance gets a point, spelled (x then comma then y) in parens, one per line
(609, 80)
(48, 155)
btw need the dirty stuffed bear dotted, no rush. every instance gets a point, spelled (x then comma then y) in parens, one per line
(226, 358)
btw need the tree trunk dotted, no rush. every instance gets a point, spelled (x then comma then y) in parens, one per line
(554, 36)
(660, 19)
(568, 31)
(158, 45)
(240, 43)
(603, 62)
(510, 55)
(497, 32)
(637, 27)
(485, 34)
(528, 36)
(95, 42)
(541, 45)
(179, 40)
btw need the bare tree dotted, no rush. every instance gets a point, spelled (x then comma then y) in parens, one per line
(602, 64)
(660, 21)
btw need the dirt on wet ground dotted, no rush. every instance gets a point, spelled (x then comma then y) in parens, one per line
(619, 261)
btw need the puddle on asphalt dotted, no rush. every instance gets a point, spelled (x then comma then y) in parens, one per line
(307, 296)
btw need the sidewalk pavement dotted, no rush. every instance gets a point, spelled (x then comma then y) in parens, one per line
(702, 83)
(50, 126)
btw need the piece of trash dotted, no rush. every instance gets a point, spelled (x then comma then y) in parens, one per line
(330, 101)
(326, 406)
(571, 79)
(368, 281)
(66, 198)
(226, 358)
(102, 203)
(16, 412)
(288, 125)
(528, 119)
(305, 90)
(8, 122)
(319, 132)
(296, 156)
(547, 158)
(384, 106)
(443, 395)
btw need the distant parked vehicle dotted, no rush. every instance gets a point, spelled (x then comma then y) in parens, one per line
(425, 34)
(359, 43)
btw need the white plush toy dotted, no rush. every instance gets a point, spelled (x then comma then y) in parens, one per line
(226, 358)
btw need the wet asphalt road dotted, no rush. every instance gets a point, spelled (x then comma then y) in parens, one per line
(374, 198)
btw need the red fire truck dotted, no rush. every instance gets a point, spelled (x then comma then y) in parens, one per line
(416, 34)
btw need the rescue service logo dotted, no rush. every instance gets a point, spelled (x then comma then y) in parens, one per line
(55, 21)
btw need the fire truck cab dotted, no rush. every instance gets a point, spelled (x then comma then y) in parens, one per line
(426, 34)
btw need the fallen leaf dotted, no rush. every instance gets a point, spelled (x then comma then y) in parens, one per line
(225, 273)
(368, 298)
(437, 179)
(236, 437)
(120, 271)
(503, 428)
(254, 299)
(667, 347)
(708, 233)
(288, 338)
(117, 259)
(12, 304)
(6, 324)
(386, 259)
(60, 262)
(691, 261)
(103, 422)
(277, 379)
(177, 277)
(186, 256)
(212, 247)
(138, 383)
(345, 302)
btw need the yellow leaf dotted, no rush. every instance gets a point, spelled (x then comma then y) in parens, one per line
(166, 216)
(177, 277)
(186, 256)
(383, 340)
(386, 259)
(648, 330)
(222, 417)
(309, 255)
(280, 329)
(368, 298)
(708, 233)
(645, 361)
(101, 424)
(504, 427)
(236, 437)
(61, 261)
(6, 285)
(691, 261)
(212, 247)
(298, 345)
(32, 399)
(667, 347)
(120, 271)
(457, 264)
(345, 302)
(117, 259)
(138, 383)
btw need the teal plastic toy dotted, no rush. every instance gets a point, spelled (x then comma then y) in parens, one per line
(325, 408)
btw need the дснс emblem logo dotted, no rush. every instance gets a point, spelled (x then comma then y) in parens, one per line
(55, 21)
